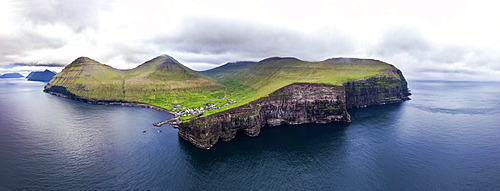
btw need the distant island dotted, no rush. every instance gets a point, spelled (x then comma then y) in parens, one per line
(213, 105)
(11, 75)
(43, 76)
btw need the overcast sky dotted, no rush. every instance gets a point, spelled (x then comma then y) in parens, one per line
(450, 39)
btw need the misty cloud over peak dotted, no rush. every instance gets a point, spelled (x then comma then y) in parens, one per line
(251, 40)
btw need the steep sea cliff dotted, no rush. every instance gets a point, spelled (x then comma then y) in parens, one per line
(376, 91)
(298, 103)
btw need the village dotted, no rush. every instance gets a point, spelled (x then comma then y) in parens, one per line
(199, 110)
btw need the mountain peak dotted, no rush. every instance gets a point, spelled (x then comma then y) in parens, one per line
(165, 56)
(83, 59)
(87, 63)
(165, 67)
(279, 58)
(161, 62)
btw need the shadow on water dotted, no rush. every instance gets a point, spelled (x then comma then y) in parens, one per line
(290, 156)
(384, 113)
(281, 154)
(290, 138)
(285, 138)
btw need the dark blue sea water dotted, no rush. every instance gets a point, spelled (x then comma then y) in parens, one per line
(446, 138)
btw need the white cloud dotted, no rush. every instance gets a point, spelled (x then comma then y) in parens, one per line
(25, 69)
(421, 58)
(426, 39)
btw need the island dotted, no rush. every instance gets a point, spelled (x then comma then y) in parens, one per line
(11, 75)
(42, 76)
(213, 105)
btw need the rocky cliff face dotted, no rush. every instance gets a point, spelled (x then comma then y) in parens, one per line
(294, 104)
(376, 91)
(297, 103)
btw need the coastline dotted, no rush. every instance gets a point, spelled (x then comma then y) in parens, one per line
(173, 121)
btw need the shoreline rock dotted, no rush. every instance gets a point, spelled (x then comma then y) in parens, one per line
(174, 122)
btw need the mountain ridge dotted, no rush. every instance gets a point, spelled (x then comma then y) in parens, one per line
(214, 104)
(152, 82)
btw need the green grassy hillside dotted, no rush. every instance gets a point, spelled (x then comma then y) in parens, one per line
(261, 79)
(228, 70)
(164, 82)
(90, 79)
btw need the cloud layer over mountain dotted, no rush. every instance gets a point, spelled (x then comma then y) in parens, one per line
(449, 40)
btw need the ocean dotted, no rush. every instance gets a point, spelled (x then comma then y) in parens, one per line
(446, 138)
